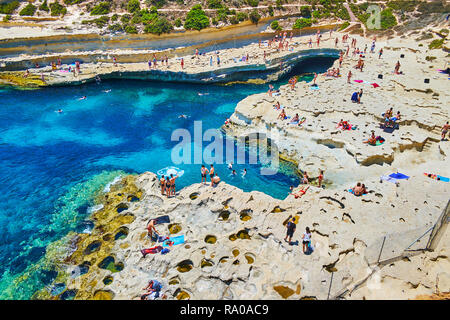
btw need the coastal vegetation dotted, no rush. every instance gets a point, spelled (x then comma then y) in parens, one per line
(302, 23)
(57, 9)
(9, 7)
(196, 19)
(28, 10)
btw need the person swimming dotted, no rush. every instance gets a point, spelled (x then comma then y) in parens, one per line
(203, 94)
(230, 166)
(183, 116)
(82, 98)
(244, 172)
(59, 111)
(233, 172)
(106, 91)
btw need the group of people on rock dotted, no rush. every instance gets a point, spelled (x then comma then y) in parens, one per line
(153, 63)
(306, 237)
(167, 185)
(215, 179)
(333, 72)
(359, 189)
(389, 119)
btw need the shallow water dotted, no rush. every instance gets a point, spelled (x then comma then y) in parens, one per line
(52, 164)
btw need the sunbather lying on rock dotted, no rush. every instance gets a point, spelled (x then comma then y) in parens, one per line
(300, 192)
(359, 190)
(282, 115)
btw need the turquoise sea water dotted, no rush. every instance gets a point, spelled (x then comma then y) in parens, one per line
(51, 164)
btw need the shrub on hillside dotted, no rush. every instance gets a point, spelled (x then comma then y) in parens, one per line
(28, 10)
(302, 23)
(158, 26)
(57, 9)
(254, 16)
(44, 6)
(275, 25)
(10, 7)
(214, 4)
(101, 8)
(196, 19)
(253, 3)
(133, 6)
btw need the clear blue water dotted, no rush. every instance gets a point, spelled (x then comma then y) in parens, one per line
(52, 164)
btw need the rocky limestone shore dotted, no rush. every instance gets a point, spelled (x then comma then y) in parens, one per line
(234, 244)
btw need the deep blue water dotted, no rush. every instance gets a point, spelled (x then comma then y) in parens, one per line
(51, 164)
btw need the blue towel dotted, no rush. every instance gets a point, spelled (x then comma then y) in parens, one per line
(176, 240)
(445, 179)
(398, 176)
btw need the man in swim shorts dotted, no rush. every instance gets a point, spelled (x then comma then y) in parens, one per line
(172, 184)
(290, 230)
(203, 171)
(151, 228)
(211, 174)
(216, 180)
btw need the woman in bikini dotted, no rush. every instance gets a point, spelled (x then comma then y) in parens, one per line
(203, 170)
(295, 119)
(300, 192)
(168, 185)
(172, 183)
(282, 115)
(162, 184)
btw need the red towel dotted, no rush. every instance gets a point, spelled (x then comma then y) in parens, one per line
(359, 81)
(375, 85)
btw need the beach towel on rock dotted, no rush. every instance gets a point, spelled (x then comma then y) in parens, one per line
(359, 81)
(173, 241)
(351, 191)
(162, 219)
(398, 175)
(375, 85)
(153, 250)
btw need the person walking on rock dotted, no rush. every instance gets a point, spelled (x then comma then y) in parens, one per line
(306, 239)
(290, 230)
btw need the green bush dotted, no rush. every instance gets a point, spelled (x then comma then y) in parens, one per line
(178, 23)
(403, 5)
(101, 21)
(115, 27)
(387, 19)
(436, 44)
(434, 7)
(270, 10)
(234, 20)
(158, 26)
(305, 11)
(133, 6)
(130, 28)
(275, 25)
(302, 23)
(7, 18)
(69, 2)
(101, 8)
(253, 3)
(254, 16)
(114, 17)
(125, 18)
(316, 14)
(196, 19)
(343, 14)
(158, 3)
(344, 25)
(8, 8)
(44, 6)
(57, 9)
(278, 4)
(28, 10)
(136, 19)
(241, 16)
(214, 4)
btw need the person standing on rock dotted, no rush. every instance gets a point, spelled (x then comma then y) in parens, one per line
(162, 184)
(211, 174)
(151, 228)
(182, 63)
(397, 67)
(380, 53)
(203, 171)
(306, 239)
(172, 184)
(444, 131)
(290, 229)
(349, 76)
(115, 61)
(320, 178)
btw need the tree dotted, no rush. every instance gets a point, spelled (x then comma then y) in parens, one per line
(255, 16)
(44, 6)
(133, 6)
(28, 10)
(196, 19)
(214, 4)
(302, 23)
(305, 11)
(275, 25)
(178, 23)
(101, 8)
(158, 26)
(270, 10)
(57, 9)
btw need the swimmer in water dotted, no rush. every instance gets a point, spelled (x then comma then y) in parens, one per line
(230, 166)
(59, 111)
(203, 94)
(233, 172)
(244, 172)
(182, 116)
(106, 91)
(82, 98)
